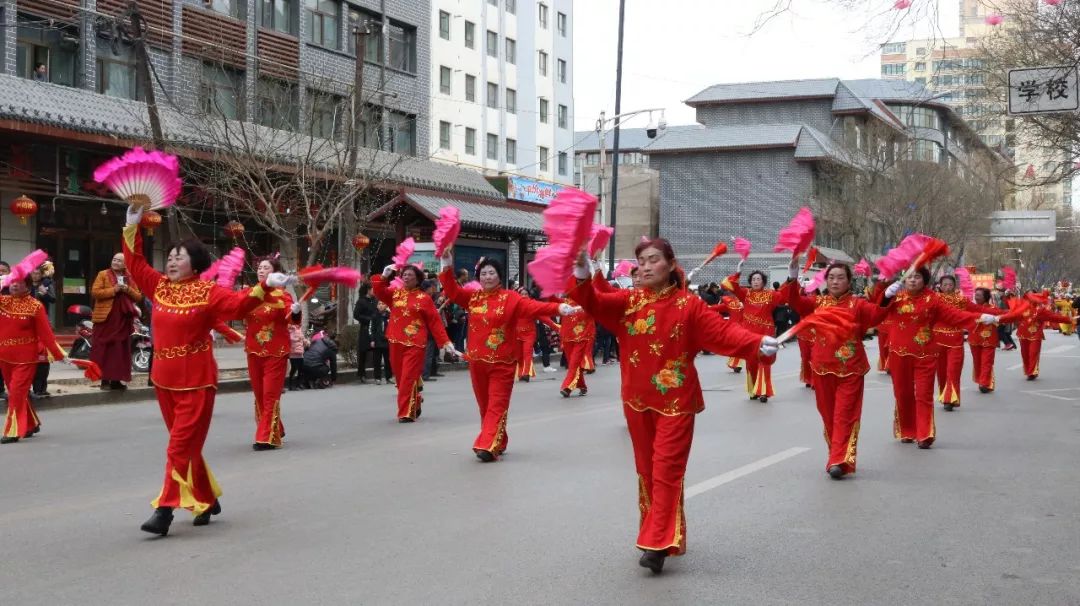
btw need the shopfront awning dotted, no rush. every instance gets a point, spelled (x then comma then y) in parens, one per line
(486, 216)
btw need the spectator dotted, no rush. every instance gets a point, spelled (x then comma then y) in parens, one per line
(380, 347)
(1005, 330)
(41, 73)
(320, 361)
(364, 312)
(115, 309)
(297, 343)
(5, 269)
(41, 288)
(431, 356)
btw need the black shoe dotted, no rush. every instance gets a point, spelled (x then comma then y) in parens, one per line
(564, 393)
(485, 456)
(764, 399)
(438, 374)
(262, 446)
(406, 420)
(159, 522)
(524, 379)
(204, 518)
(925, 444)
(836, 472)
(1032, 377)
(8, 440)
(583, 391)
(808, 386)
(983, 389)
(907, 440)
(949, 407)
(653, 560)
(36, 429)
(104, 386)
(736, 370)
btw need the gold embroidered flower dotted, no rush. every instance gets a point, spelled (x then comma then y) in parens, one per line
(642, 326)
(412, 329)
(669, 377)
(495, 339)
(263, 336)
(923, 336)
(907, 308)
(845, 352)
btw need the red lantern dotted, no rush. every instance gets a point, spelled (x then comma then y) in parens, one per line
(234, 229)
(150, 221)
(23, 208)
(360, 242)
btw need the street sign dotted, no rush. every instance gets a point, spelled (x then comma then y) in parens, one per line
(1023, 226)
(1044, 90)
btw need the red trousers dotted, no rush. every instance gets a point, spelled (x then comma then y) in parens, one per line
(408, 365)
(188, 481)
(661, 447)
(806, 376)
(525, 366)
(21, 418)
(587, 361)
(267, 381)
(982, 361)
(759, 376)
(913, 388)
(1030, 351)
(950, 367)
(577, 352)
(839, 401)
(883, 349)
(734, 363)
(492, 385)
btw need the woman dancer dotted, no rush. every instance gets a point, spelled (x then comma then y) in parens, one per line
(526, 336)
(984, 342)
(577, 333)
(950, 339)
(268, 346)
(662, 329)
(1030, 331)
(759, 303)
(733, 308)
(185, 371)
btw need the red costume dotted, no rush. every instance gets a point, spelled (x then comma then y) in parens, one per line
(24, 331)
(983, 340)
(660, 334)
(950, 364)
(412, 317)
(757, 317)
(733, 308)
(913, 360)
(267, 346)
(493, 353)
(1030, 332)
(577, 333)
(526, 336)
(838, 372)
(185, 371)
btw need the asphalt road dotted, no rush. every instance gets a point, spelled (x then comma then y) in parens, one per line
(357, 509)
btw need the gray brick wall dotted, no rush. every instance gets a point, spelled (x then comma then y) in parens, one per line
(815, 112)
(708, 197)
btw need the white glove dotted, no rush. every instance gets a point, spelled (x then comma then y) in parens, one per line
(568, 310)
(134, 214)
(452, 351)
(690, 276)
(769, 346)
(295, 308)
(988, 319)
(893, 289)
(389, 269)
(67, 361)
(278, 280)
(793, 270)
(446, 261)
(738, 266)
(595, 266)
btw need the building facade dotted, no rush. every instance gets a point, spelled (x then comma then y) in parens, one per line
(502, 78)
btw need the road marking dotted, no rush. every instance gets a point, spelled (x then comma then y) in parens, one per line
(745, 470)
(1059, 349)
(1047, 393)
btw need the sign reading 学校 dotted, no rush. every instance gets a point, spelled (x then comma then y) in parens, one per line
(1044, 90)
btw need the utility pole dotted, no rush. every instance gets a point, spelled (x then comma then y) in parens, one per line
(615, 146)
(347, 220)
(142, 67)
(601, 137)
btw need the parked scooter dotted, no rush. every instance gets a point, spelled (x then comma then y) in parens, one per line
(142, 352)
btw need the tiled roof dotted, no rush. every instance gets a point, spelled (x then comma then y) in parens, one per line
(727, 137)
(122, 119)
(815, 145)
(748, 91)
(476, 215)
(630, 139)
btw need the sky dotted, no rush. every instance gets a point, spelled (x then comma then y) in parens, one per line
(675, 48)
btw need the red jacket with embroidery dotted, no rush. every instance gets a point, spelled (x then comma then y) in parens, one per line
(913, 317)
(984, 335)
(1030, 326)
(947, 335)
(493, 317)
(268, 326)
(731, 306)
(826, 356)
(184, 314)
(659, 334)
(412, 315)
(758, 306)
(526, 327)
(24, 330)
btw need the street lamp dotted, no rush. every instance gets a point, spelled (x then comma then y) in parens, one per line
(653, 130)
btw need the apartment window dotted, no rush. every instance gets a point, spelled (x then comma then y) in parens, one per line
(38, 46)
(561, 70)
(543, 111)
(277, 14)
(470, 34)
(542, 61)
(470, 141)
(511, 101)
(543, 151)
(444, 25)
(511, 151)
(220, 91)
(444, 135)
(562, 163)
(561, 115)
(511, 51)
(373, 42)
(402, 131)
(232, 8)
(492, 44)
(920, 66)
(470, 88)
(324, 18)
(116, 73)
(492, 146)
(893, 69)
(325, 114)
(543, 15)
(445, 75)
(511, 7)
(894, 48)
(275, 104)
(493, 95)
(403, 47)
(560, 23)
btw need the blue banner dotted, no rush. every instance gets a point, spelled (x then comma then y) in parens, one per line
(530, 190)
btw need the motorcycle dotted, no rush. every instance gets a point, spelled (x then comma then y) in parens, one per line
(142, 351)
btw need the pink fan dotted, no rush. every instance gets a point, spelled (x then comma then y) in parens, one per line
(225, 270)
(1008, 278)
(647, 239)
(472, 286)
(742, 247)
(568, 225)
(623, 268)
(147, 179)
(862, 268)
(23, 268)
(995, 19)
(798, 235)
(901, 257)
(447, 228)
(396, 283)
(403, 252)
(601, 235)
(815, 282)
(902, 4)
(964, 283)
(1053, 2)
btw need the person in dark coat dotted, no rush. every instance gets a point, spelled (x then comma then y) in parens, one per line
(380, 347)
(364, 312)
(320, 361)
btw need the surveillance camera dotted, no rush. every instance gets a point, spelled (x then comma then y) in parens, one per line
(662, 125)
(650, 132)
